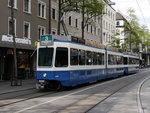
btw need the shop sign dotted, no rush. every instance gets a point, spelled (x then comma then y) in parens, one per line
(6, 38)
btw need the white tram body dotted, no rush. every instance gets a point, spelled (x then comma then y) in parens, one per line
(66, 63)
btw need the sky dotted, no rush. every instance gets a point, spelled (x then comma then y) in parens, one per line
(141, 7)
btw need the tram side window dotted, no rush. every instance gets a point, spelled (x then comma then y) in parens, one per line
(89, 58)
(125, 60)
(100, 58)
(73, 56)
(119, 60)
(45, 56)
(131, 61)
(61, 59)
(81, 57)
(137, 61)
(111, 59)
(94, 58)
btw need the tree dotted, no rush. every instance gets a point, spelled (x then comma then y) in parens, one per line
(132, 27)
(89, 9)
(65, 6)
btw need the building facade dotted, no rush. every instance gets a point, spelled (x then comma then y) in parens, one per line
(108, 23)
(121, 33)
(31, 19)
(100, 31)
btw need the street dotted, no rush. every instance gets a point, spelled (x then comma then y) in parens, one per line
(119, 95)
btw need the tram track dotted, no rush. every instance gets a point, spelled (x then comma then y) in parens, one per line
(85, 104)
(20, 96)
(88, 103)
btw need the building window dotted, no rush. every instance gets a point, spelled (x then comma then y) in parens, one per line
(53, 14)
(118, 23)
(95, 31)
(54, 31)
(42, 9)
(91, 29)
(10, 26)
(76, 23)
(27, 6)
(14, 3)
(26, 28)
(87, 27)
(41, 31)
(69, 20)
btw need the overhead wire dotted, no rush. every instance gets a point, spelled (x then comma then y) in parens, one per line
(141, 11)
(148, 2)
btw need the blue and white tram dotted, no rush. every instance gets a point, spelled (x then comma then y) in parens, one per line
(115, 66)
(131, 63)
(67, 64)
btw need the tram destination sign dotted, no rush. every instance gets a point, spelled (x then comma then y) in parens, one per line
(46, 40)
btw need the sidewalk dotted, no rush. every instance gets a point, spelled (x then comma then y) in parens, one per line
(5, 86)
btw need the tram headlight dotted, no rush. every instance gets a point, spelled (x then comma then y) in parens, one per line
(44, 75)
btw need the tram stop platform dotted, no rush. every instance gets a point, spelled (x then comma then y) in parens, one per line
(5, 86)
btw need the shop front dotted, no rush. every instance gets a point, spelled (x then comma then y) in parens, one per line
(25, 60)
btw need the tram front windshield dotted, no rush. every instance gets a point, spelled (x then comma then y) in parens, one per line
(45, 56)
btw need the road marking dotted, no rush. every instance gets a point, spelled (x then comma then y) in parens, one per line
(140, 106)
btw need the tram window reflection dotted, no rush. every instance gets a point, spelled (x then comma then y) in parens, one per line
(100, 58)
(45, 56)
(89, 58)
(81, 57)
(73, 56)
(61, 59)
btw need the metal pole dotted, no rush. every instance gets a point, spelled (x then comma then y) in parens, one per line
(14, 80)
(49, 16)
(59, 17)
(101, 28)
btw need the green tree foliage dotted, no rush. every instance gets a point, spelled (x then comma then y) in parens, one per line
(89, 9)
(132, 27)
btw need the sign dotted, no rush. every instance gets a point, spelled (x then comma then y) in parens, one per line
(6, 38)
(36, 43)
(46, 40)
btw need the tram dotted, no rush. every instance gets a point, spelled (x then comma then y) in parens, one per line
(65, 63)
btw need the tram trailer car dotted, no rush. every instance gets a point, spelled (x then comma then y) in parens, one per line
(67, 64)
(114, 64)
(131, 64)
